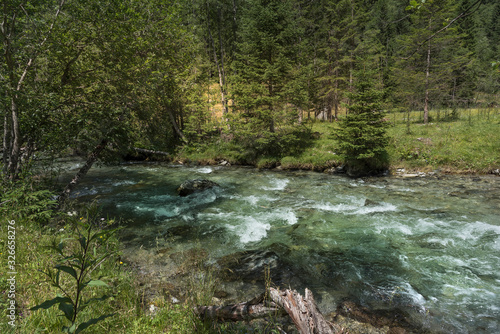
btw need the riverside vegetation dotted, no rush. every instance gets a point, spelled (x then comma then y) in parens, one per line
(112, 299)
(461, 141)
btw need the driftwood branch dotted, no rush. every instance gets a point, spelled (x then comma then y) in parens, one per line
(302, 310)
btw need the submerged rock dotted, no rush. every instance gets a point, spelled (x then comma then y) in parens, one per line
(190, 186)
(395, 320)
(251, 266)
(369, 202)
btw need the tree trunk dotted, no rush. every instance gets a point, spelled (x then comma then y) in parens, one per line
(6, 142)
(175, 126)
(222, 74)
(145, 151)
(427, 74)
(82, 172)
(219, 64)
(13, 167)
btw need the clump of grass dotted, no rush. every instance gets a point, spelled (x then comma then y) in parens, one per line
(32, 258)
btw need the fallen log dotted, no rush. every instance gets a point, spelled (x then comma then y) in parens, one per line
(252, 309)
(142, 150)
(302, 310)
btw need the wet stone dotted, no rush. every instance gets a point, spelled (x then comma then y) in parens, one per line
(192, 186)
(369, 202)
(378, 318)
(251, 266)
(181, 231)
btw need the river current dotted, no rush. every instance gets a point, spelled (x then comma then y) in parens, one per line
(429, 246)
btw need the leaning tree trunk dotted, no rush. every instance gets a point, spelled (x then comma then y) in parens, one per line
(91, 159)
(177, 130)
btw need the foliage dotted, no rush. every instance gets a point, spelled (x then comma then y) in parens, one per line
(264, 84)
(362, 134)
(78, 257)
(24, 200)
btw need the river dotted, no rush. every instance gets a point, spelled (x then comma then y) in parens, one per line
(429, 246)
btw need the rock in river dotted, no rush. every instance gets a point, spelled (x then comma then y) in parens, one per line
(190, 186)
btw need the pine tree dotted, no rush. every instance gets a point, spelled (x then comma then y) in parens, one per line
(362, 134)
(265, 78)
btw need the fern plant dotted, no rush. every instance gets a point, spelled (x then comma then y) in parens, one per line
(22, 200)
(78, 257)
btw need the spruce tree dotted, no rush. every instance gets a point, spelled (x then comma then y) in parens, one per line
(362, 134)
(266, 80)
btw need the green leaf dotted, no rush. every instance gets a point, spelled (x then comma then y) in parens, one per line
(67, 309)
(96, 283)
(49, 303)
(83, 242)
(68, 270)
(69, 329)
(93, 321)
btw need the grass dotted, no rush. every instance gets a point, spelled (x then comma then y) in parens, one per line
(469, 144)
(455, 141)
(32, 288)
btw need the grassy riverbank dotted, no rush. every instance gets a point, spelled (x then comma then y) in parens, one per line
(460, 141)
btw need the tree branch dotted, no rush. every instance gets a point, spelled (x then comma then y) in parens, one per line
(40, 45)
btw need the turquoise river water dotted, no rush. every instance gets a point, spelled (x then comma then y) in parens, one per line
(429, 246)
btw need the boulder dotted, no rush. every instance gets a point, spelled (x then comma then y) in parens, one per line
(190, 186)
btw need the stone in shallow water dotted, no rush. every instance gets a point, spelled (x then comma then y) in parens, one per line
(190, 186)
(251, 266)
(397, 320)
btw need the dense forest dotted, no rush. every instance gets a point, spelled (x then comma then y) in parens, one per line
(103, 77)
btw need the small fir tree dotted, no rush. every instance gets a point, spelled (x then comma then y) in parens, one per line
(362, 134)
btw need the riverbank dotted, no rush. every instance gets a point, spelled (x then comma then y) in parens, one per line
(468, 145)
